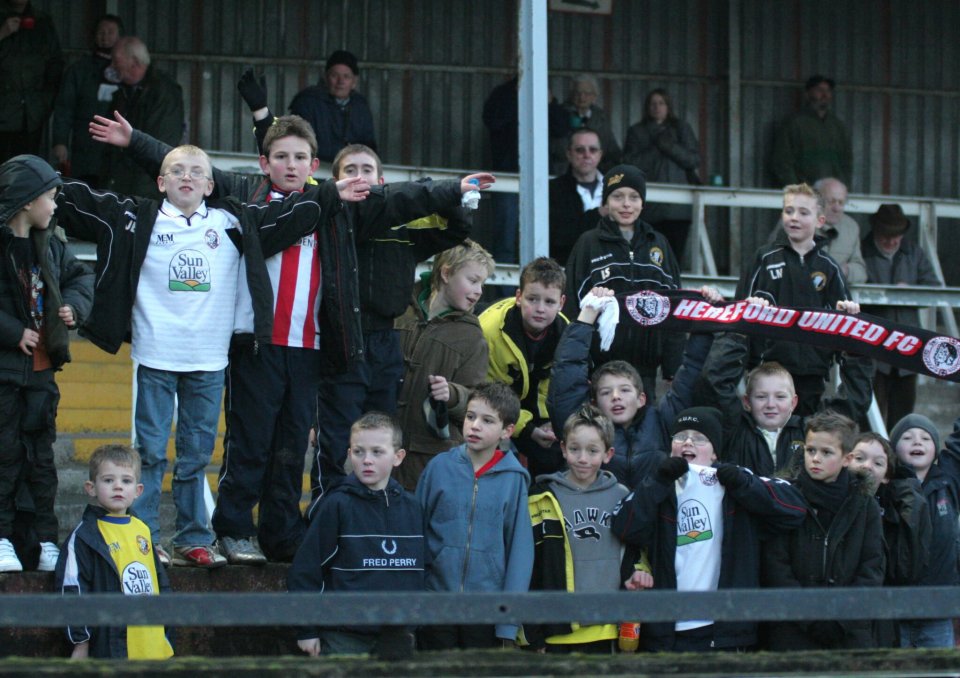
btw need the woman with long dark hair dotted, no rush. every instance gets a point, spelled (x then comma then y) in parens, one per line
(665, 148)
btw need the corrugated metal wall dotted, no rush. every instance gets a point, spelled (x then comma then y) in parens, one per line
(428, 66)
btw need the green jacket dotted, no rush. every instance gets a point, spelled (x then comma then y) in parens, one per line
(809, 147)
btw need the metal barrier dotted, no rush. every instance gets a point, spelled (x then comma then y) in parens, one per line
(421, 609)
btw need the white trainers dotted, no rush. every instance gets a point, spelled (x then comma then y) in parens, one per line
(8, 557)
(48, 557)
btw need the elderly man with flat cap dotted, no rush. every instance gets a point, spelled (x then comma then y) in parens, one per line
(813, 143)
(339, 115)
(893, 260)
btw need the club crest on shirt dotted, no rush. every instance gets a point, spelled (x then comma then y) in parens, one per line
(693, 523)
(143, 545)
(135, 580)
(648, 307)
(819, 280)
(189, 272)
(212, 239)
(941, 355)
(656, 256)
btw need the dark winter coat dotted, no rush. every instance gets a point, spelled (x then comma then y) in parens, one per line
(66, 280)
(602, 257)
(335, 126)
(361, 540)
(758, 510)
(31, 66)
(849, 553)
(786, 278)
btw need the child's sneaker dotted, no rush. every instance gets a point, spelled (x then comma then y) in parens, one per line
(8, 557)
(242, 551)
(162, 555)
(197, 556)
(48, 557)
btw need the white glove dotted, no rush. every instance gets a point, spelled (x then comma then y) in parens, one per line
(609, 308)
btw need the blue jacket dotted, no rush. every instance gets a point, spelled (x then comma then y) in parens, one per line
(570, 389)
(478, 530)
(334, 126)
(361, 540)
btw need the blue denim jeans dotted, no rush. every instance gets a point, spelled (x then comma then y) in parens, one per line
(198, 397)
(926, 633)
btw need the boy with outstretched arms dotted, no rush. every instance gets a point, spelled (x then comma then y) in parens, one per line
(615, 387)
(315, 329)
(474, 501)
(386, 272)
(761, 430)
(45, 292)
(367, 535)
(168, 274)
(840, 542)
(795, 272)
(574, 548)
(522, 333)
(701, 526)
(111, 551)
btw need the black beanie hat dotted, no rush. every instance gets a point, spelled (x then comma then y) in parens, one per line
(706, 420)
(624, 175)
(342, 56)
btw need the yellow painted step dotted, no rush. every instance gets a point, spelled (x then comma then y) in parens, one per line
(75, 420)
(83, 448)
(82, 350)
(104, 373)
(95, 395)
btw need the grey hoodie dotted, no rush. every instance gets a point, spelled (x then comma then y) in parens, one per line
(587, 514)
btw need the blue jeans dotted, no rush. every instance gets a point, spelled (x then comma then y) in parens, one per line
(198, 396)
(926, 633)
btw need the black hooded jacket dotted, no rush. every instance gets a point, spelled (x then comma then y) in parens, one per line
(66, 281)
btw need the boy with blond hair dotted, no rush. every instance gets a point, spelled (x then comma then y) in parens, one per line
(445, 354)
(477, 524)
(111, 551)
(366, 535)
(168, 273)
(798, 273)
(522, 333)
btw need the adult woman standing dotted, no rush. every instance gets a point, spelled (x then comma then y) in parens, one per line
(665, 148)
(582, 111)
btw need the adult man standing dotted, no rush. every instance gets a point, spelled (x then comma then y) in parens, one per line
(575, 193)
(813, 143)
(339, 115)
(88, 88)
(891, 260)
(152, 102)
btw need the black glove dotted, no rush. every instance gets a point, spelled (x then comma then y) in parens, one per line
(253, 91)
(731, 476)
(672, 468)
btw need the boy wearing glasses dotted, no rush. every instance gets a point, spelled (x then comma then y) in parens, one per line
(701, 527)
(167, 277)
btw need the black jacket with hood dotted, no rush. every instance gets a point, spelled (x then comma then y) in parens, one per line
(66, 280)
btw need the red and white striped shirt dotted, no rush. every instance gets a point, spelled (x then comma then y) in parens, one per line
(295, 278)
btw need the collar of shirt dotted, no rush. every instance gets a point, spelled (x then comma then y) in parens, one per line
(173, 214)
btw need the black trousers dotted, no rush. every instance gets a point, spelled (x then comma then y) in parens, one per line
(269, 409)
(27, 432)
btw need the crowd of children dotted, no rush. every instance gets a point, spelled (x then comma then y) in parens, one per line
(504, 452)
